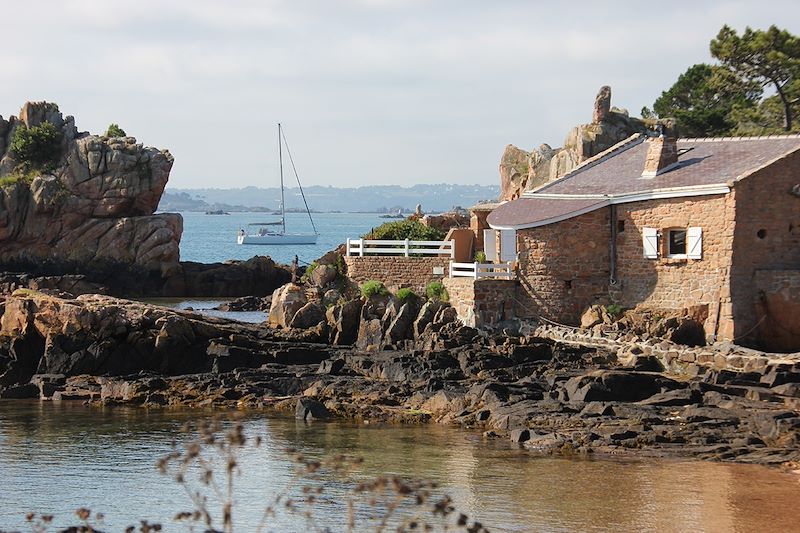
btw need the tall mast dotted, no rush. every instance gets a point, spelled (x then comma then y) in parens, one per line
(280, 164)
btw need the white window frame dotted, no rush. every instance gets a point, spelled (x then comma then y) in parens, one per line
(668, 253)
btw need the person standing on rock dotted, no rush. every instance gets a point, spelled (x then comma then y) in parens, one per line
(294, 270)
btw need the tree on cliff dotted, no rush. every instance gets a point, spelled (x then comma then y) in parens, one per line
(770, 58)
(728, 99)
(704, 100)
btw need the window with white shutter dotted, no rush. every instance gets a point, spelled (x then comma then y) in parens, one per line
(694, 243)
(490, 244)
(650, 242)
(676, 243)
(508, 245)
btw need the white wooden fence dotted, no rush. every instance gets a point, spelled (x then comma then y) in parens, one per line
(481, 270)
(406, 248)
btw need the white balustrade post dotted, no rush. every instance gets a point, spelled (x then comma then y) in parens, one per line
(476, 274)
(348, 247)
(407, 247)
(452, 248)
(361, 248)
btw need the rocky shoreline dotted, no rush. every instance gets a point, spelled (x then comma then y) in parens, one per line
(378, 359)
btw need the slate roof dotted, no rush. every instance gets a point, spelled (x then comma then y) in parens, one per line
(610, 177)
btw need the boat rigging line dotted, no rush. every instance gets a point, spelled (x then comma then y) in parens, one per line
(297, 177)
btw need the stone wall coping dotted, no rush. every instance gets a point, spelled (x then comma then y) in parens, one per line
(676, 358)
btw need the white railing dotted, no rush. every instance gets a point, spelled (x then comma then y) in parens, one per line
(481, 270)
(406, 248)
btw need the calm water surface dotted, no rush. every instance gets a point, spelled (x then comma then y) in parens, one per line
(211, 238)
(55, 458)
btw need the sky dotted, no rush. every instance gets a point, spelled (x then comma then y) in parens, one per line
(369, 91)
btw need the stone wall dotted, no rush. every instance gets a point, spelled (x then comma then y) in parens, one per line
(778, 309)
(676, 359)
(677, 283)
(766, 237)
(564, 267)
(483, 302)
(396, 272)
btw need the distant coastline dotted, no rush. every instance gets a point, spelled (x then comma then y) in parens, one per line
(382, 199)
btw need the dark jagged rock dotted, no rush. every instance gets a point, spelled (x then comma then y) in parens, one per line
(344, 321)
(308, 409)
(246, 303)
(552, 397)
(308, 316)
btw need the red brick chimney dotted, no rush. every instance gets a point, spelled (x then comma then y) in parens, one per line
(662, 152)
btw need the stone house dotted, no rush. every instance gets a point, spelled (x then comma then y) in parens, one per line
(707, 225)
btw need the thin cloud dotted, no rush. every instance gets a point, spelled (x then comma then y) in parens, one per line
(371, 91)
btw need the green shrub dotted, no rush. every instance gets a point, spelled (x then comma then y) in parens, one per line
(436, 291)
(614, 310)
(405, 229)
(18, 176)
(309, 270)
(115, 131)
(373, 288)
(38, 147)
(405, 294)
(480, 256)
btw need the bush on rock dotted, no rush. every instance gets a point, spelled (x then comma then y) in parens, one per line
(436, 291)
(373, 288)
(37, 147)
(405, 229)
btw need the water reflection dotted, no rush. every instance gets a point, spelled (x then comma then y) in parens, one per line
(56, 457)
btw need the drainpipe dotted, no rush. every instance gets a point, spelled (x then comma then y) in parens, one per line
(613, 246)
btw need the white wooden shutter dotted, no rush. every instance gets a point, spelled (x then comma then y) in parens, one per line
(694, 243)
(490, 244)
(650, 242)
(508, 245)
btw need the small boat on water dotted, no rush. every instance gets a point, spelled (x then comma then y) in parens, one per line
(263, 232)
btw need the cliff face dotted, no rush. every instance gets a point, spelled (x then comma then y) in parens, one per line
(521, 171)
(93, 204)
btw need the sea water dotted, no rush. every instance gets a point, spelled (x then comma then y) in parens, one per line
(212, 238)
(57, 457)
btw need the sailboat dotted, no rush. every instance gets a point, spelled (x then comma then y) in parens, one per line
(263, 232)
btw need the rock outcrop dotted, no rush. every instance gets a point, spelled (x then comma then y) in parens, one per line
(548, 396)
(93, 203)
(521, 170)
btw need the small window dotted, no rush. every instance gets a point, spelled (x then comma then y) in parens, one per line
(676, 243)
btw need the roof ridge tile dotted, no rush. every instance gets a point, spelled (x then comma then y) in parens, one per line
(740, 138)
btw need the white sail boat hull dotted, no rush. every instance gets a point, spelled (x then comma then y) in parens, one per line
(278, 238)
